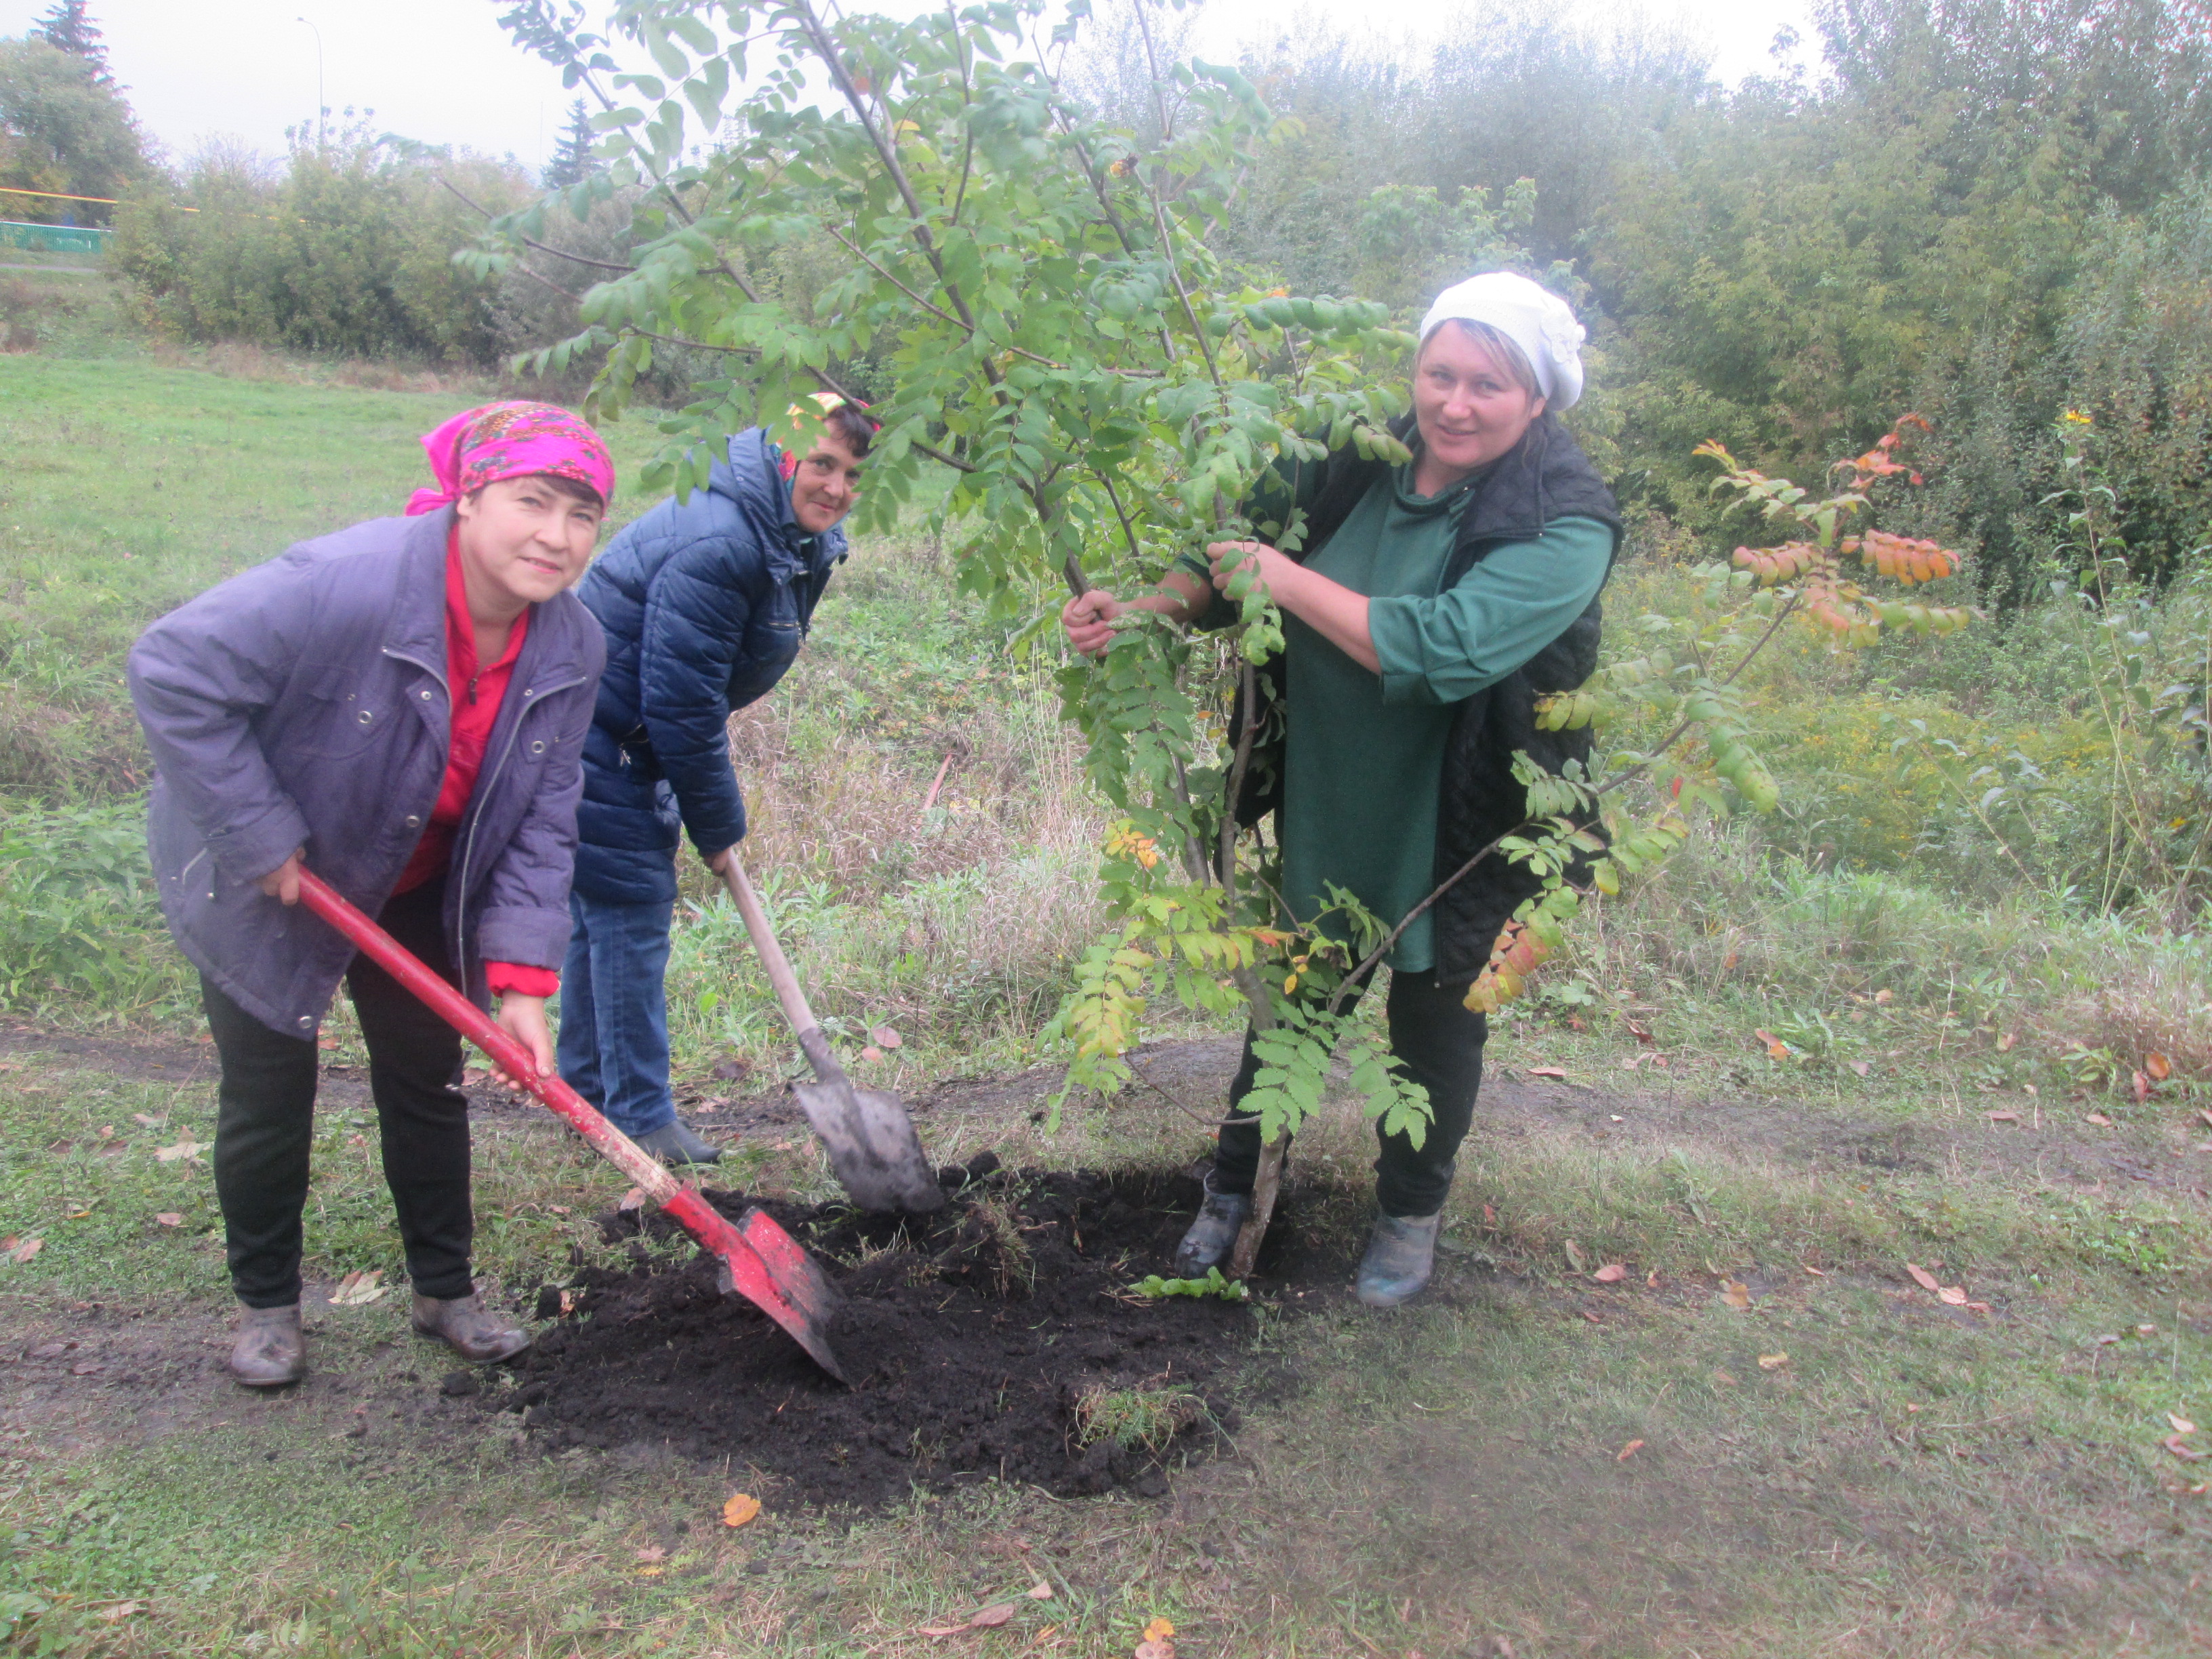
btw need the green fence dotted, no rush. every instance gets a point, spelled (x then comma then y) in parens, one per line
(53, 239)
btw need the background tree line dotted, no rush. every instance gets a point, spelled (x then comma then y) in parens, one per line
(1990, 210)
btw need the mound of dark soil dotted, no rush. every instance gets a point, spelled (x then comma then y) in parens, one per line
(994, 1340)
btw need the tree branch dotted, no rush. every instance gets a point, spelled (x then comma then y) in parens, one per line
(532, 241)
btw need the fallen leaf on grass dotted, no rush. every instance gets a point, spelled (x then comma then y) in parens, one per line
(1595, 1319)
(2141, 1085)
(1723, 1379)
(1158, 1630)
(2204, 1113)
(77, 1215)
(651, 1572)
(2157, 1066)
(145, 1122)
(2181, 1425)
(1628, 1451)
(358, 1287)
(1651, 1279)
(1040, 1591)
(871, 1053)
(1574, 1255)
(1558, 1074)
(1612, 1273)
(1813, 1270)
(997, 1614)
(16, 1250)
(1489, 1216)
(190, 1149)
(1776, 1048)
(653, 1553)
(2001, 1116)
(170, 1219)
(1859, 1067)
(2098, 1119)
(1641, 1032)
(741, 1508)
(121, 1610)
(1772, 1362)
(2186, 1454)
(1953, 1294)
(884, 1037)
(1154, 1649)
(1735, 1293)
(631, 1200)
(1922, 1277)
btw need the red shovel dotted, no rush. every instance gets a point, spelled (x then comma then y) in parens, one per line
(759, 1260)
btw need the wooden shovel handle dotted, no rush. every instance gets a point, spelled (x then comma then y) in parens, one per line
(811, 1042)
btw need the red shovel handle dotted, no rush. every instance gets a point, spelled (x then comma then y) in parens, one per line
(788, 1289)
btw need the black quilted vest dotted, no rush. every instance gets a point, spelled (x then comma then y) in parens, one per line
(1544, 477)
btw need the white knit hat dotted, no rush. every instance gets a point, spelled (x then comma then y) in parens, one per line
(1534, 319)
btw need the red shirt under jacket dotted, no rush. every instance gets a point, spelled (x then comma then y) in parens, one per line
(476, 692)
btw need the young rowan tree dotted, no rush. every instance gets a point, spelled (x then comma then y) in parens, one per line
(1048, 325)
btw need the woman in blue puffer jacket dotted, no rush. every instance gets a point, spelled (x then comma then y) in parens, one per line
(704, 603)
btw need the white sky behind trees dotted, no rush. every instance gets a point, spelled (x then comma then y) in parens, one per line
(442, 71)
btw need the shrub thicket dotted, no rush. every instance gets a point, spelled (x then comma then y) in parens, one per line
(347, 250)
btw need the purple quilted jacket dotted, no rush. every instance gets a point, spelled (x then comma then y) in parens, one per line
(304, 702)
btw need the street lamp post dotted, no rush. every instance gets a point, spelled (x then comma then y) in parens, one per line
(321, 103)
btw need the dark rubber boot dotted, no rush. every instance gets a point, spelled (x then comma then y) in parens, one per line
(1401, 1254)
(270, 1352)
(675, 1142)
(469, 1327)
(1221, 1217)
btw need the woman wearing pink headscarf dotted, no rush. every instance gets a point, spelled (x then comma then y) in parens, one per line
(400, 706)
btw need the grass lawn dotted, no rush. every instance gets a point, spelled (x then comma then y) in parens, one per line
(1763, 1437)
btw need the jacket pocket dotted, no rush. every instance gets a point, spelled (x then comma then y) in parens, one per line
(771, 646)
(342, 714)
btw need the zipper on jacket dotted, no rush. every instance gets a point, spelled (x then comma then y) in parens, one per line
(536, 696)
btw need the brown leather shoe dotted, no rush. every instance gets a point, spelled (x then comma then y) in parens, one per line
(270, 1352)
(473, 1331)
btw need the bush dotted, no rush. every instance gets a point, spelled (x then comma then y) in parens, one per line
(349, 251)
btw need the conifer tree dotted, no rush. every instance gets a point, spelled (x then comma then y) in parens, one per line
(68, 25)
(572, 160)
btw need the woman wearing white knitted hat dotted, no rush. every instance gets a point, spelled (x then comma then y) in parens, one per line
(1432, 604)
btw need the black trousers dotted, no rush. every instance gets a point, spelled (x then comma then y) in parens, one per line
(265, 1122)
(1440, 1042)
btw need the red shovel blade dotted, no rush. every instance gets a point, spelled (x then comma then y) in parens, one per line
(759, 1260)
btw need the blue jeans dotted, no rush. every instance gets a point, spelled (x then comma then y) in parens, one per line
(614, 1011)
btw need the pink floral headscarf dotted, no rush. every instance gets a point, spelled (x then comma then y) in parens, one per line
(512, 441)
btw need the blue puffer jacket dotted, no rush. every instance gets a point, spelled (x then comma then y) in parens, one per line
(704, 604)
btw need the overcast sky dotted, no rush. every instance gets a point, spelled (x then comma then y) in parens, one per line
(442, 71)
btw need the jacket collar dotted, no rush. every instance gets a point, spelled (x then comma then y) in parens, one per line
(752, 477)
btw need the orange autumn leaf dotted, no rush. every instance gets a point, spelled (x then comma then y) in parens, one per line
(1922, 1277)
(1628, 1451)
(741, 1508)
(1159, 1631)
(2157, 1066)
(1612, 1273)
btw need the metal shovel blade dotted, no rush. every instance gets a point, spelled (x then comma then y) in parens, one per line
(873, 1150)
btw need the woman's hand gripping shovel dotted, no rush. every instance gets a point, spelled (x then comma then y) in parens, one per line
(873, 1151)
(759, 1260)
